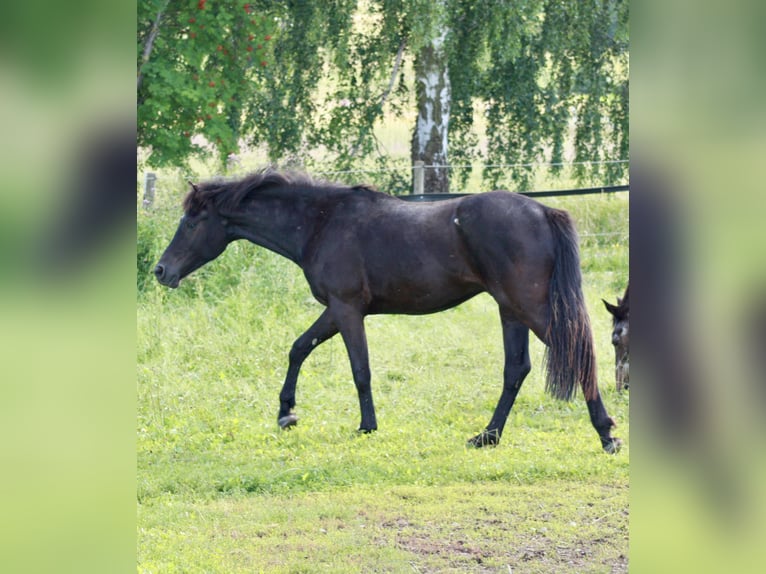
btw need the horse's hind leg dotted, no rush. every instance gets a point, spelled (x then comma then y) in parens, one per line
(517, 366)
(322, 329)
(603, 424)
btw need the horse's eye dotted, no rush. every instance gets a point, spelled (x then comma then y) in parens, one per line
(191, 224)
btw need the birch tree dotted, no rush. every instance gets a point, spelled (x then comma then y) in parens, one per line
(433, 97)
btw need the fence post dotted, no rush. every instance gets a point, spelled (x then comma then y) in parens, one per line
(418, 177)
(149, 180)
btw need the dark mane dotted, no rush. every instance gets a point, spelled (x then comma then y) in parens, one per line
(227, 195)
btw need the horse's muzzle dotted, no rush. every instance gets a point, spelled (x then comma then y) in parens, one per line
(162, 275)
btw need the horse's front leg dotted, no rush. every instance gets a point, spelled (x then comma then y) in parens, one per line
(350, 322)
(322, 329)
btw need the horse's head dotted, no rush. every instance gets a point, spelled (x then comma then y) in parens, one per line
(621, 338)
(202, 235)
(620, 324)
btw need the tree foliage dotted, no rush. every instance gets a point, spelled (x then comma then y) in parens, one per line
(541, 69)
(544, 74)
(200, 71)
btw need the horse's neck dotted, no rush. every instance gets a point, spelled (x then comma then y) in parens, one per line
(279, 222)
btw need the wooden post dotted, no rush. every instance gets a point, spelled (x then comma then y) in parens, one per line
(418, 177)
(149, 182)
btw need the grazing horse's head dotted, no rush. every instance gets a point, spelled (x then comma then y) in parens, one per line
(620, 339)
(202, 235)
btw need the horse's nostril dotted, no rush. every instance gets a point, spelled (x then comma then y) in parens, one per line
(159, 271)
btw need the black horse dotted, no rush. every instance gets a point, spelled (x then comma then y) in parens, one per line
(364, 252)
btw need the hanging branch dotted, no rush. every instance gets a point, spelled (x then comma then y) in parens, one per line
(394, 74)
(386, 93)
(149, 46)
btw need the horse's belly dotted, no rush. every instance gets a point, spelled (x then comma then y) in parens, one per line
(434, 277)
(417, 299)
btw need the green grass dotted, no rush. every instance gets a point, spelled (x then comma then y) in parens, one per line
(457, 528)
(222, 489)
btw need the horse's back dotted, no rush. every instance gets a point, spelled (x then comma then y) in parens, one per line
(501, 207)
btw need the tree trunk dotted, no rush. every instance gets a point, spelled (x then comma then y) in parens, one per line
(429, 140)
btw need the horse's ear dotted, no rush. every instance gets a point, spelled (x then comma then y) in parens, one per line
(194, 187)
(613, 309)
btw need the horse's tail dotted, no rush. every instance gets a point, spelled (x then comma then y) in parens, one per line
(569, 357)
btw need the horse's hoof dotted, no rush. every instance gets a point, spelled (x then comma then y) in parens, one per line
(360, 430)
(288, 421)
(613, 446)
(484, 439)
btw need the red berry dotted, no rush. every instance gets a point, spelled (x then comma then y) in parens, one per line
(212, 84)
(201, 4)
(208, 116)
(251, 37)
(192, 20)
(263, 63)
(268, 37)
(192, 35)
(259, 46)
(219, 48)
(249, 48)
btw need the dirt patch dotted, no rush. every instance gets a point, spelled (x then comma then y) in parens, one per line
(425, 545)
(455, 548)
(434, 554)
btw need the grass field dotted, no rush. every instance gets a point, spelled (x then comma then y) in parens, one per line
(222, 489)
